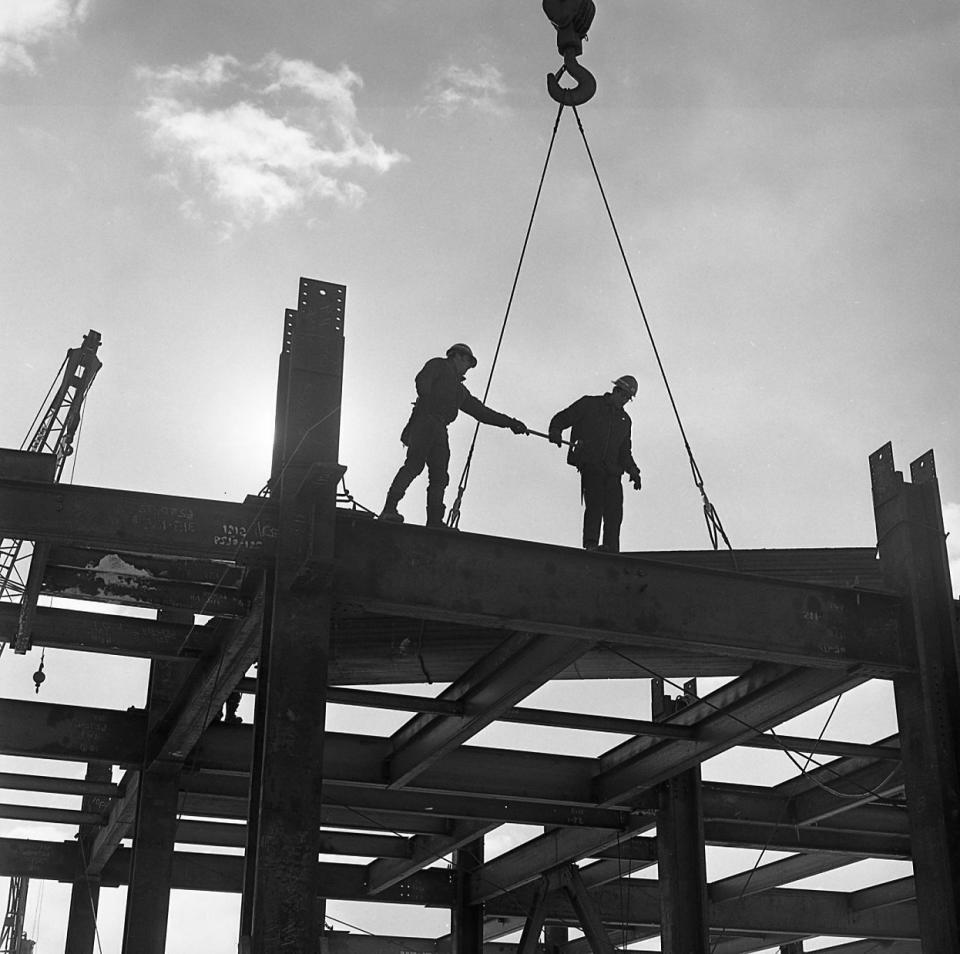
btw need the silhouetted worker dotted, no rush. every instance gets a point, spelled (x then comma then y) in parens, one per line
(441, 395)
(601, 450)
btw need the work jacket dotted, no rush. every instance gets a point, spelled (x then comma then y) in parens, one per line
(600, 434)
(441, 394)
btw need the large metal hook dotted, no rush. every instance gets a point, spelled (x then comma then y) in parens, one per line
(574, 95)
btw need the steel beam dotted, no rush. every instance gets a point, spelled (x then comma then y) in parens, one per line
(532, 587)
(634, 902)
(466, 920)
(117, 635)
(155, 827)
(775, 874)
(913, 553)
(175, 732)
(384, 873)
(194, 871)
(129, 521)
(148, 896)
(289, 764)
(791, 911)
(85, 892)
(75, 733)
(125, 590)
(519, 666)
(879, 895)
(763, 697)
(682, 865)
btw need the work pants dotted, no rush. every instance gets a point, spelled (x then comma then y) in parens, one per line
(427, 446)
(602, 503)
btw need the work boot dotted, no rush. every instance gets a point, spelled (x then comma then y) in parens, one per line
(435, 514)
(389, 512)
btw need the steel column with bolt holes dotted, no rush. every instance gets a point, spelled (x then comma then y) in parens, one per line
(911, 540)
(282, 883)
(681, 855)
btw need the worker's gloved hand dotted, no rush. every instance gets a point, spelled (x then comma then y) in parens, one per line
(635, 480)
(518, 427)
(556, 438)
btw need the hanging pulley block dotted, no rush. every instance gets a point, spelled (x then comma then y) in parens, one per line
(572, 19)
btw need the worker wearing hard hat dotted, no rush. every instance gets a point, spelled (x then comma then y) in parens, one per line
(600, 448)
(441, 395)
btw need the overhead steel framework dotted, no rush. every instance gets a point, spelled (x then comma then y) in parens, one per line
(324, 600)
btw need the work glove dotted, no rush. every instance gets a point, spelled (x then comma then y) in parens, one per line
(635, 480)
(518, 427)
(556, 438)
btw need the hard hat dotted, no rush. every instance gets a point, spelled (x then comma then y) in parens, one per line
(628, 383)
(462, 348)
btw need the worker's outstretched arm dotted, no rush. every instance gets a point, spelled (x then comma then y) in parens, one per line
(487, 415)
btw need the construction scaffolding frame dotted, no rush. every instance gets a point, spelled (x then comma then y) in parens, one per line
(323, 600)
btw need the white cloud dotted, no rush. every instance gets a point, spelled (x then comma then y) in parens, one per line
(456, 87)
(261, 140)
(26, 24)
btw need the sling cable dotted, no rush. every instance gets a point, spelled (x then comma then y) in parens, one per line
(572, 19)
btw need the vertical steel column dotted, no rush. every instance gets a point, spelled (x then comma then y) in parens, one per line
(466, 925)
(913, 554)
(554, 935)
(283, 847)
(681, 856)
(85, 894)
(151, 865)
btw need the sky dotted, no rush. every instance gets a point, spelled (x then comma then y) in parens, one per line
(783, 176)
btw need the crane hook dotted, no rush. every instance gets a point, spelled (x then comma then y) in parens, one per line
(574, 95)
(571, 19)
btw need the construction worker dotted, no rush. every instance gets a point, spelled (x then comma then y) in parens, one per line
(600, 448)
(441, 395)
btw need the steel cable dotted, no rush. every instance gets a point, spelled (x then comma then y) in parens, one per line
(453, 518)
(710, 515)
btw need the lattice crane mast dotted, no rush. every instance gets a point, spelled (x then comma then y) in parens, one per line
(13, 938)
(55, 434)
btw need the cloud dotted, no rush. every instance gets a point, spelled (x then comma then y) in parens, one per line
(456, 87)
(260, 140)
(26, 24)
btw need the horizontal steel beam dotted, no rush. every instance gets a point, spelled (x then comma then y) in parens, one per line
(126, 521)
(108, 633)
(533, 587)
(125, 590)
(636, 901)
(195, 871)
(15, 781)
(632, 902)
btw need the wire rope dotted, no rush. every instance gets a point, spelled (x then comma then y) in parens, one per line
(453, 518)
(712, 518)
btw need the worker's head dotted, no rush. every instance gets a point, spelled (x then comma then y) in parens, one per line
(625, 389)
(462, 357)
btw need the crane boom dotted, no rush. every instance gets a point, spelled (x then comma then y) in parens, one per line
(55, 434)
